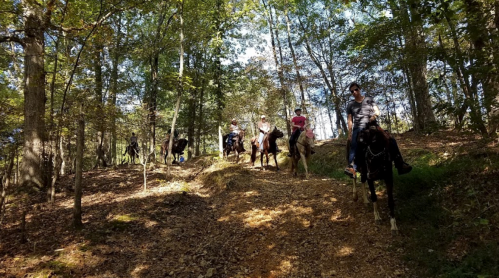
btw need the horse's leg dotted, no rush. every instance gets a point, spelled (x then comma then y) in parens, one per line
(354, 191)
(294, 166)
(275, 159)
(261, 160)
(267, 156)
(391, 202)
(374, 199)
(237, 156)
(364, 193)
(304, 159)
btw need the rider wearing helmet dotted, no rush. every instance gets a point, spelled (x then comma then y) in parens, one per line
(298, 123)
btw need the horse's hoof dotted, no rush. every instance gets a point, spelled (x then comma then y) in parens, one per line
(378, 221)
(355, 197)
(395, 232)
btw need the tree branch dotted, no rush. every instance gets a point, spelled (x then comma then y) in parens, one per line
(12, 39)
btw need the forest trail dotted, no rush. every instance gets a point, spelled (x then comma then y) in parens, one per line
(228, 221)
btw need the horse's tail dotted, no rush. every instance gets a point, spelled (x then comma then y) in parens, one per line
(253, 152)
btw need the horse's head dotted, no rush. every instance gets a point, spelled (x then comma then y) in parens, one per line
(307, 137)
(310, 137)
(241, 134)
(373, 147)
(276, 133)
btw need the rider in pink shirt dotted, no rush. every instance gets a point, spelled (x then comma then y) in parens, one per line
(298, 123)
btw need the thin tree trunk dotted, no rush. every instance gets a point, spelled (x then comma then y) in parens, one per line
(280, 73)
(180, 85)
(101, 126)
(200, 120)
(295, 62)
(332, 87)
(5, 181)
(114, 91)
(79, 170)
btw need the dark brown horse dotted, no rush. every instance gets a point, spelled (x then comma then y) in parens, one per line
(133, 152)
(269, 146)
(178, 148)
(373, 161)
(237, 145)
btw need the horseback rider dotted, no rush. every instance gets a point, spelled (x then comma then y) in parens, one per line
(264, 128)
(298, 123)
(361, 111)
(234, 130)
(134, 143)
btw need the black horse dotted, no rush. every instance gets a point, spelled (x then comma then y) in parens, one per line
(178, 148)
(133, 152)
(237, 145)
(374, 162)
(269, 146)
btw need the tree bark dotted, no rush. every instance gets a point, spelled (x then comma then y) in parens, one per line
(280, 73)
(79, 170)
(113, 92)
(295, 62)
(416, 45)
(34, 96)
(180, 85)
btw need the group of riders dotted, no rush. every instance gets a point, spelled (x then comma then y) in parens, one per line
(298, 124)
(362, 112)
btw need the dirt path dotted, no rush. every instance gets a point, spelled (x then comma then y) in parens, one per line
(230, 221)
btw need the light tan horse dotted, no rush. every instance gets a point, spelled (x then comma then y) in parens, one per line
(303, 149)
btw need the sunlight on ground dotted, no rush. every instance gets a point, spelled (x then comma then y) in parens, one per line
(113, 197)
(345, 251)
(263, 217)
(338, 217)
(284, 268)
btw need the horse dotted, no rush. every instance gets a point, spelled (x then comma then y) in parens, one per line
(178, 148)
(269, 145)
(237, 145)
(303, 149)
(132, 152)
(373, 161)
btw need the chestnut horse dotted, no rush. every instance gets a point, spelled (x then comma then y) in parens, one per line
(373, 161)
(237, 145)
(303, 149)
(269, 146)
(178, 148)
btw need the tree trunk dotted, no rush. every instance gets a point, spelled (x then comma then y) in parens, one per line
(113, 92)
(79, 171)
(416, 46)
(153, 105)
(295, 62)
(101, 125)
(5, 181)
(280, 73)
(200, 120)
(180, 85)
(34, 96)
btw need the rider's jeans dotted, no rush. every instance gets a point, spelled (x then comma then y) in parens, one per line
(229, 140)
(353, 147)
(260, 140)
